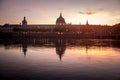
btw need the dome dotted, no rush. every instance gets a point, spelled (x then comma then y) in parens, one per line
(24, 22)
(60, 20)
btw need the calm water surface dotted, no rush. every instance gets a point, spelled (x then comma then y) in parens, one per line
(58, 59)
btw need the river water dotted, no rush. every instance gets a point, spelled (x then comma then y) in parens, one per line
(59, 59)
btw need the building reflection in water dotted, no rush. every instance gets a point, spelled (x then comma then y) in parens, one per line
(24, 47)
(59, 44)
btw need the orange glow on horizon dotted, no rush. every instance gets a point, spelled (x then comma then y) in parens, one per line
(101, 18)
(46, 11)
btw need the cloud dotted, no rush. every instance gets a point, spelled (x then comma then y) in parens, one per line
(87, 12)
(60, 8)
(91, 11)
(118, 19)
(27, 10)
(100, 9)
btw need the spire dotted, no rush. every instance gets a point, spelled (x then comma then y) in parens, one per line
(87, 22)
(60, 14)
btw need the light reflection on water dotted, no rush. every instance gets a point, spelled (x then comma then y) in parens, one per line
(59, 59)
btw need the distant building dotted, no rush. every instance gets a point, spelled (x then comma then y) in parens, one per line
(7, 28)
(60, 22)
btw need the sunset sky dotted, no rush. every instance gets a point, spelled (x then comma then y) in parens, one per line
(47, 11)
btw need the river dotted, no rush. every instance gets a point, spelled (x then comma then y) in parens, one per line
(59, 59)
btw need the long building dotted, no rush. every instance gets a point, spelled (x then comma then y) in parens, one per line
(60, 22)
(61, 27)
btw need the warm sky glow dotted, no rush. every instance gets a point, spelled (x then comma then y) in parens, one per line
(47, 11)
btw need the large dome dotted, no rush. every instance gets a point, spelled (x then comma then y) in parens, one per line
(60, 20)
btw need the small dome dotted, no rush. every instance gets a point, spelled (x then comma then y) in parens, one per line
(6, 25)
(24, 22)
(60, 20)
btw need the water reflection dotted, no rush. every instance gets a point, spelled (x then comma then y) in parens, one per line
(59, 44)
(76, 59)
(24, 47)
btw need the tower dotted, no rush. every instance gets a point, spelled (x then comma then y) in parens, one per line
(24, 22)
(87, 22)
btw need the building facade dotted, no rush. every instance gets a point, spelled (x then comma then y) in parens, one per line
(61, 26)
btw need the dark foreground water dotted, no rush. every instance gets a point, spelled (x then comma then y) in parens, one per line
(58, 59)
